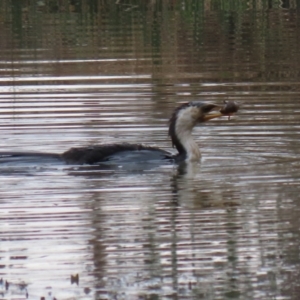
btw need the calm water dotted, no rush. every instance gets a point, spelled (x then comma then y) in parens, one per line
(75, 74)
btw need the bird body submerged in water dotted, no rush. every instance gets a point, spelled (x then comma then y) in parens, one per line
(182, 122)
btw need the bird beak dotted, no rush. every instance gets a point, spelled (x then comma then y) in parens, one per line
(213, 115)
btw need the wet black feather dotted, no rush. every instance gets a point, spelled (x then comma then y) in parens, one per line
(101, 153)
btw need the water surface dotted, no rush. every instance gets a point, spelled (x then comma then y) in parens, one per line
(82, 74)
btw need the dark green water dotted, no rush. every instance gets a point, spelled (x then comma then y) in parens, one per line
(75, 73)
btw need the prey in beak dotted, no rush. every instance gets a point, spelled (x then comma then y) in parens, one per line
(228, 109)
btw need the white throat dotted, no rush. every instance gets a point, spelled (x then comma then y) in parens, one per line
(186, 121)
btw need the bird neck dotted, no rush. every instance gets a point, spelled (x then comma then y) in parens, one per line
(182, 123)
(186, 145)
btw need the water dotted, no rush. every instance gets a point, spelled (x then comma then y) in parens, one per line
(75, 74)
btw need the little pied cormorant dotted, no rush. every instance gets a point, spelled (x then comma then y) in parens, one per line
(183, 120)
